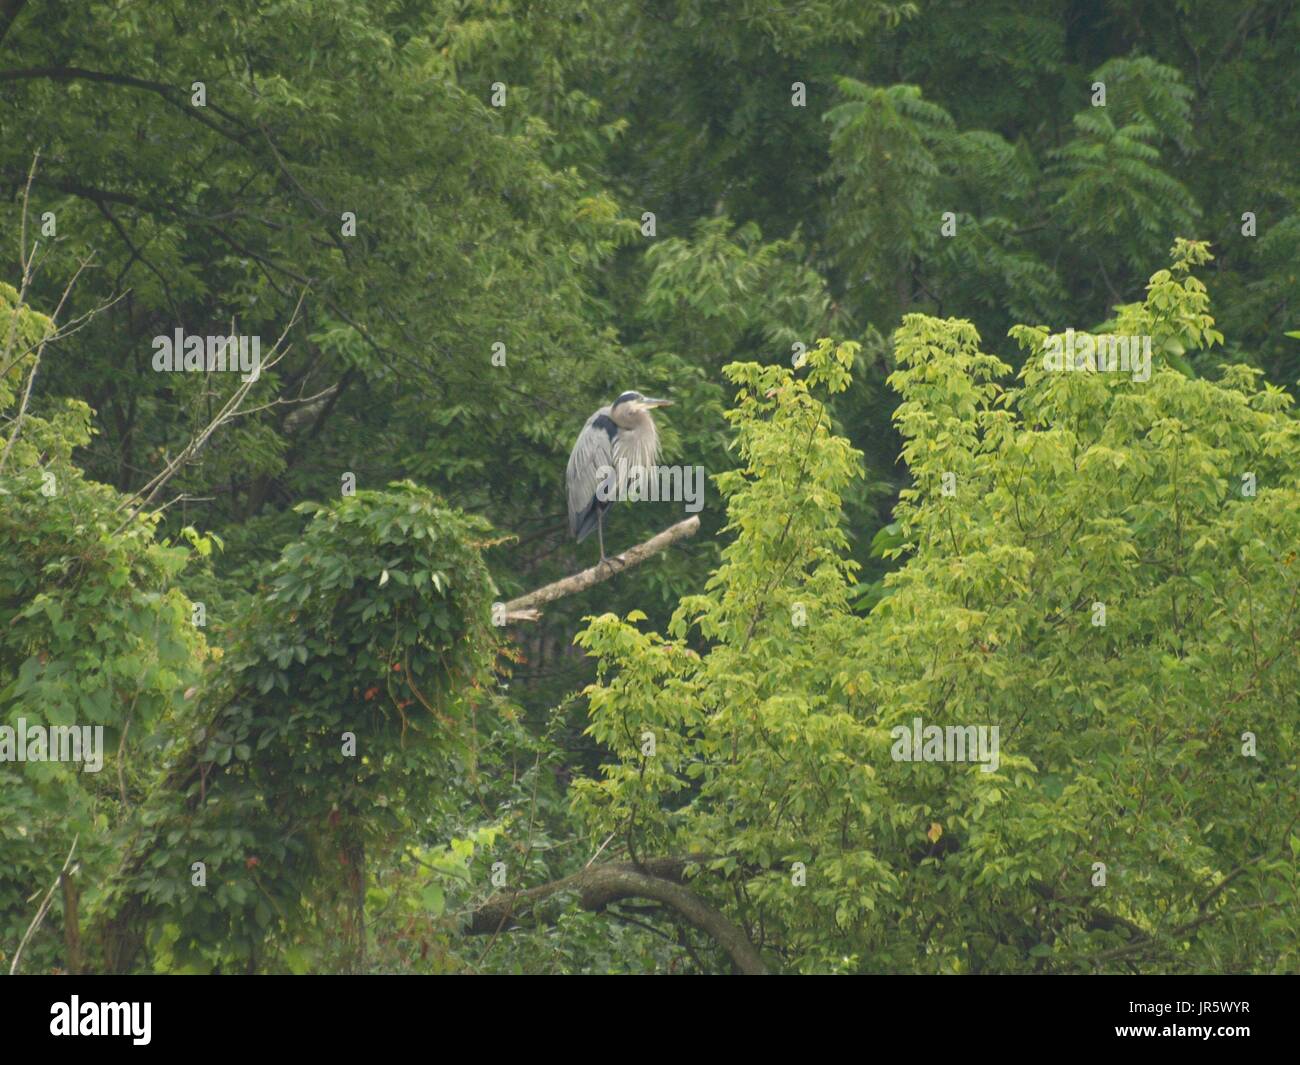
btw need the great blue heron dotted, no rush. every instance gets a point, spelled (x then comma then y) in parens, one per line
(615, 440)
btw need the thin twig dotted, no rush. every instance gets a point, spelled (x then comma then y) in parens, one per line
(146, 495)
(44, 909)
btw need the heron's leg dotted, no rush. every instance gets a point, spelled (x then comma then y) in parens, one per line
(600, 532)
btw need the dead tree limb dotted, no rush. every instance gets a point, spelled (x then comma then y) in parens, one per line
(525, 607)
(658, 880)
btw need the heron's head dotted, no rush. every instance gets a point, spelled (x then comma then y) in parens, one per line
(630, 406)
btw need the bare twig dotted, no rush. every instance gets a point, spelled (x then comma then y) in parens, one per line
(73, 326)
(23, 265)
(44, 908)
(28, 263)
(146, 495)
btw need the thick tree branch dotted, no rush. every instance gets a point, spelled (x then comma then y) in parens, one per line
(170, 94)
(597, 886)
(525, 607)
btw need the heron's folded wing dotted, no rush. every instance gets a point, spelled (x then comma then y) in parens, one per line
(593, 451)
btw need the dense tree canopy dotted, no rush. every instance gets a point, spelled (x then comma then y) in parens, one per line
(844, 238)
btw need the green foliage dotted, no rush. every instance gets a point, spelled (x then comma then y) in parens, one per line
(345, 711)
(375, 623)
(1121, 744)
(886, 146)
(947, 178)
(1108, 186)
(466, 236)
(94, 631)
(725, 291)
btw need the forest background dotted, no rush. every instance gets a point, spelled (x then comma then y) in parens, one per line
(837, 234)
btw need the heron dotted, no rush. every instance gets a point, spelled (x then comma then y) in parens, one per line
(616, 439)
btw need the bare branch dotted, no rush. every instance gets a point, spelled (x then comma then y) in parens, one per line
(29, 267)
(172, 95)
(35, 366)
(146, 495)
(525, 607)
(44, 908)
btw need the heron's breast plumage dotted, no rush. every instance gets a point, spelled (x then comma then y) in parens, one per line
(604, 443)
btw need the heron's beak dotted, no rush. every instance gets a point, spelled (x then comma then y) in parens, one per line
(657, 403)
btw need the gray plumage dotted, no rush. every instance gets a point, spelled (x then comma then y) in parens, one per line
(615, 440)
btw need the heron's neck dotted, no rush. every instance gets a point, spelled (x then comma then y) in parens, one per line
(640, 441)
